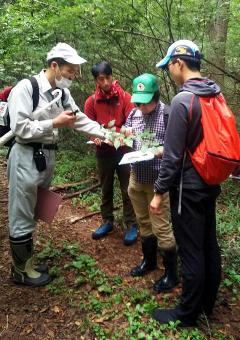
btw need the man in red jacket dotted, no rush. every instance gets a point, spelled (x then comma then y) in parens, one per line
(110, 102)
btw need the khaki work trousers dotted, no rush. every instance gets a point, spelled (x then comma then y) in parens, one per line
(150, 224)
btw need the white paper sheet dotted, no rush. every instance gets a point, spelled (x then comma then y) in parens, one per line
(136, 156)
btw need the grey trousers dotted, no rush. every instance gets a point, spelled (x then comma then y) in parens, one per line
(24, 179)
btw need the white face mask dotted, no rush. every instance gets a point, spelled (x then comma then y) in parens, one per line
(63, 82)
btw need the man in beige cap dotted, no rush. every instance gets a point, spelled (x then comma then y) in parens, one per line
(32, 157)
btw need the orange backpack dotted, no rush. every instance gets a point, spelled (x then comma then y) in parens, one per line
(218, 154)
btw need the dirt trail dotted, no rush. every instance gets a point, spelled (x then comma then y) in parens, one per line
(27, 313)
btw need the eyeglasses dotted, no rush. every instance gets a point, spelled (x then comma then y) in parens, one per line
(170, 63)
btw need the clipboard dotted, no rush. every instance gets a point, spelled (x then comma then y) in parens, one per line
(47, 205)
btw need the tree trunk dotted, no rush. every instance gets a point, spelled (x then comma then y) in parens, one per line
(218, 38)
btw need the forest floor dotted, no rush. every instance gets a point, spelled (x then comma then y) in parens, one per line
(72, 306)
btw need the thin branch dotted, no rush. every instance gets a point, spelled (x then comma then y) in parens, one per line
(76, 193)
(169, 8)
(222, 70)
(76, 219)
(149, 25)
(136, 33)
(70, 185)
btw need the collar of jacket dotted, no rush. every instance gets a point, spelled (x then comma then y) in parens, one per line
(113, 93)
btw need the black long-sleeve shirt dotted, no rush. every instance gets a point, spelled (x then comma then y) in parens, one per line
(184, 133)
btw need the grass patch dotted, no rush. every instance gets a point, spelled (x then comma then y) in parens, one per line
(71, 166)
(228, 229)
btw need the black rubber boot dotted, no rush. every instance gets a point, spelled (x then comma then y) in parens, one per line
(23, 271)
(41, 268)
(149, 262)
(170, 278)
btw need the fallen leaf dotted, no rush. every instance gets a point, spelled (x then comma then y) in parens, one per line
(44, 309)
(56, 309)
(73, 219)
(27, 330)
(51, 334)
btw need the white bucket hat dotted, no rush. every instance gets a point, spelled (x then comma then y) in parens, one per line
(67, 53)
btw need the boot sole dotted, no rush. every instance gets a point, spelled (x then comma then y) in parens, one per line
(31, 284)
(162, 290)
(145, 273)
(127, 243)
(95, 237)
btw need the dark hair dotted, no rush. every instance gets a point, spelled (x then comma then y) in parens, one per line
(102, 67)
(59, 61)
(194, 64)
(156, 96)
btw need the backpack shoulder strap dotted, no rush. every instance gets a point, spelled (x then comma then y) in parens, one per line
(35, 94)
(190, 112)
(63, 96)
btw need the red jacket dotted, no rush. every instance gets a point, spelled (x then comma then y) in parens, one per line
(104, 107)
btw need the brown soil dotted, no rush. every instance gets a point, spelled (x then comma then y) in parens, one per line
(27, 313)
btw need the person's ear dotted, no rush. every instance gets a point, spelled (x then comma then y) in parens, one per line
(180, 63)
(54, 65)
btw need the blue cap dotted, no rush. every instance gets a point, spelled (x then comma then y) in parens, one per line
(181, 48)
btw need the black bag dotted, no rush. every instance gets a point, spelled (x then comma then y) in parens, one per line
(3, 99)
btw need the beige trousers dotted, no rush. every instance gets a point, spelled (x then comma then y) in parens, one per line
(149, 224)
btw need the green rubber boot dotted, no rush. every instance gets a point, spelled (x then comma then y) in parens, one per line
(23, 271)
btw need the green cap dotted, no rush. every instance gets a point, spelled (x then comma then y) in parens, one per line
(144, 87)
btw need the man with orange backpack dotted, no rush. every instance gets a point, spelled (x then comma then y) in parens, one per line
(187, 171)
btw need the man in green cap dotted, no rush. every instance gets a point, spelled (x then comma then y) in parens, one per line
(156, 230)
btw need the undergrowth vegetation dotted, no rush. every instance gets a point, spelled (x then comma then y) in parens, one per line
(109, 302)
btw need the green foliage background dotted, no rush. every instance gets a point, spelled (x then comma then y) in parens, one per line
(132, 34)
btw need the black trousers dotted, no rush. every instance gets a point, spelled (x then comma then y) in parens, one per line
(106, 170)
(195, 233)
